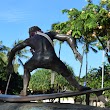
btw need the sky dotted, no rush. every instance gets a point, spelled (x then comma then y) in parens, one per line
(17, 16)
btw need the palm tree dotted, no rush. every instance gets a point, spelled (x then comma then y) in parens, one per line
(3, 51)
(3, 62)
(86, 48)
(20, 54)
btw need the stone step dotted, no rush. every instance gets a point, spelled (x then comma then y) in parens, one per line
(46, 106)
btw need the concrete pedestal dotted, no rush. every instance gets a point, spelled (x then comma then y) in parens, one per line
(46, 106)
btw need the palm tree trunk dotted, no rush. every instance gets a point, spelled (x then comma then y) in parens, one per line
(86, 69)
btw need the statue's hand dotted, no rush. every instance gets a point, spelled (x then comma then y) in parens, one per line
(10, 69)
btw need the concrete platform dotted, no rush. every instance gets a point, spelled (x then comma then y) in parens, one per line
(46, 106)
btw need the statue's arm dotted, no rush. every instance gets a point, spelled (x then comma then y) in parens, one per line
(72, 43)
(15, 49)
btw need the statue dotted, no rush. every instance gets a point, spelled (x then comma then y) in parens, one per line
(44, 56)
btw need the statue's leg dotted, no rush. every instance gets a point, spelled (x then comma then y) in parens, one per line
(28, 67)
(61, 68)
(26, 79)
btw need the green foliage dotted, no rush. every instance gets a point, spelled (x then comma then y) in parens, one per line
(16, 84)
(3, 63)
(16, 80)
(41, 80)
(92, 21)
(94, 78)
(107, 104)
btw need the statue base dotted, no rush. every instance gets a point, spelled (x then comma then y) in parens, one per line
(46, 106)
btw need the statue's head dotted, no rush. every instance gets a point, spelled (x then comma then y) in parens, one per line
(33, 29)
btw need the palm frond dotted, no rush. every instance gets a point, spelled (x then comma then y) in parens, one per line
(94, 50)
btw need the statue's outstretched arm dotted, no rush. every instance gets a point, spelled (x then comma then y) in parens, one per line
(72, 43)
(15, 49)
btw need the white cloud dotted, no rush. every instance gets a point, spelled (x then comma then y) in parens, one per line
(14, 15)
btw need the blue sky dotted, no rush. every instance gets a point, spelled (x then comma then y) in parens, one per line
(16, 16)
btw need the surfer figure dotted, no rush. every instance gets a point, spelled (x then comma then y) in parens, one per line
(44, 56)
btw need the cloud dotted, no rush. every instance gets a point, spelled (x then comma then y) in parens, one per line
(14, 15)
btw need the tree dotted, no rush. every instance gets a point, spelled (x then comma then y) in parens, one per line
(94, 77)
(16, 79)
(90, 25)
(21, 53)
(15, 84)
(41, 80)
(3, 63)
